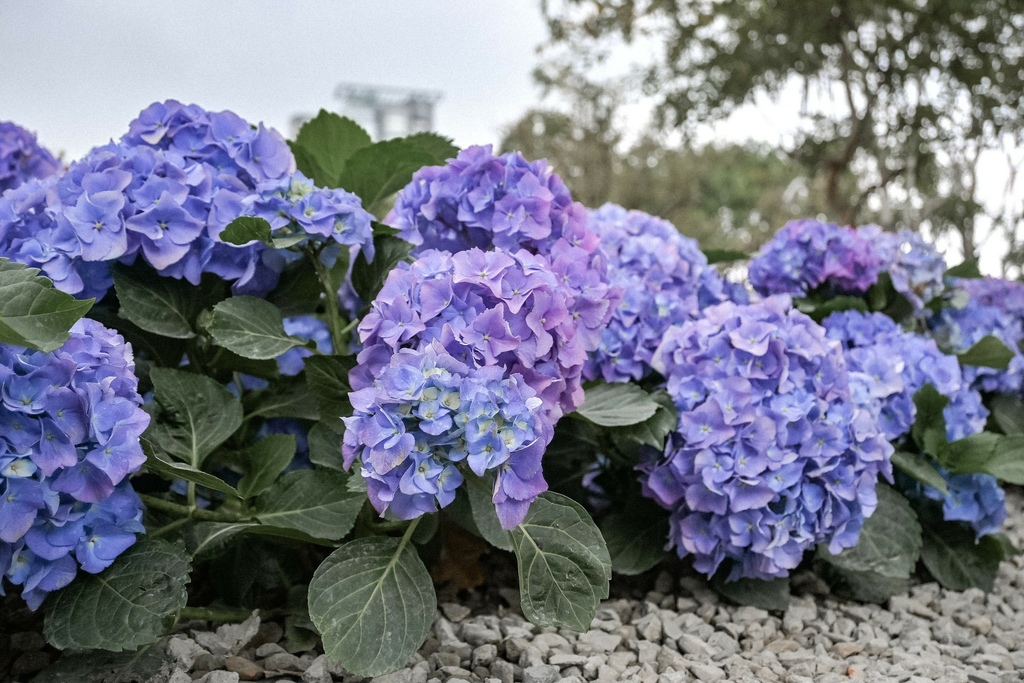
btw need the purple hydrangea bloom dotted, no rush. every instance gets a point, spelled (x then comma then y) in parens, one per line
(807, 254)
(22, 158)
(487, 309)
(993, 308)
(771, 455)
(916, 267)
(973, 498)
(665, 280)
(429, 419)
(70, 423)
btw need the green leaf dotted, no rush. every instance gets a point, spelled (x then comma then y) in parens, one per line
(286, 397)
(485, 517)
(245, 229)
(967, 269)
(205, 538)
(161, 305)
(818, 311)
(863, 586)
(368, 277)
(919, 467)
(328, 381)
(32, 312)
(130, 604)
(266, 460)
(890, 541)
(1008, 413)
(929, 429)
(617, 405)
(989, 352)
(251, 327)
(325, 447)
(958, 562)
(771, 595)
(654, 430)
(564, 567)
(987, 453)
(636, 538)
(324, 144)
(379, 170)
(373, 602)
(725, 255)
(196, 415)
(168, 469)
(439, 146)
(315, 502)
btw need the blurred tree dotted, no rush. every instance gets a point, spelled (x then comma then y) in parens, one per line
(900, 97)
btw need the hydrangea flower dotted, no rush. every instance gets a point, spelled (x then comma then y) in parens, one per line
(807, 254)
(427, 416)
(22, 157)
(916, 267)
(665, 280)
(991, 309)
(973, 498)
(771, 455)
(70, 423)
(480, 200)
(163, 193)
(509, 310)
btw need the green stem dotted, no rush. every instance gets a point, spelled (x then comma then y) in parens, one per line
(171, 526)
(189, 512)
(191, 495)
(330, 301)
(226, 615)
(407, 537)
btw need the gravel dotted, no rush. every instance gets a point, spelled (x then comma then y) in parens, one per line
(680, 632)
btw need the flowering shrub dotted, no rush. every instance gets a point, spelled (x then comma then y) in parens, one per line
(69, 438)
(915, 265)
(771, 455)
(22, 158)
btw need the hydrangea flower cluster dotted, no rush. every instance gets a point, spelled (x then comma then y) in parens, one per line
(492, 308)
(22, 157)
(480, 200)
(771, 455)
(426, 413)
(973, 498)
(990, 310)
(916, 267)
(807, 254)
(665, 280)
(70, 423)
(164, 192)
(888, 366)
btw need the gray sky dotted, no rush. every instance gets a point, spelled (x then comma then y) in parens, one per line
(78, 72)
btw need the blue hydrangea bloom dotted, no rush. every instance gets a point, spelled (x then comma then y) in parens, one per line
(70, 423)
(771, 455)
(992, 308)
(665, 280)
(22, 157)
(973, 498)
(428, 419)
(916, 267)
(163, 193)
(807, 254)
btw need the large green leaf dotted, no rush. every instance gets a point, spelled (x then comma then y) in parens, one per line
(324, 144)
(725, 255)
(377, 171)
(485, 517)
(325, 447)
(617, 405)
(929, 429)
(373, 602)
(161, 305)
(245, 229)
(771, 595)
(285, 397)
(863, 586)
(920, 467)
(967, 269)
(890, 541)
(315, 502)
(32, 312)
(369, 276)
(958, 562)
(987, 453)
(129, 604)
(654, 430)
(564, 567)
(1008, 413)
(161, 465)
(439, 146)
(196, 415)
(266, 460)
(328, 381)
(251, 327)
(636, 537)
(989, 352)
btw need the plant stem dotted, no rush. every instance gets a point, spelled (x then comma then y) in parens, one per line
(189, 512)
(330, 302)
(171, 526)
(226, 615)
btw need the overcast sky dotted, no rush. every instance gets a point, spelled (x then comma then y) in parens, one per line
(78, 72)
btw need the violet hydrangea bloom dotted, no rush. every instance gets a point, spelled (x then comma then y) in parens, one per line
(973, 498)
(70, 423)
(916, 267)
(665, 280)
(22, 158)
(428, 414)
(808, 254)
(771, 455)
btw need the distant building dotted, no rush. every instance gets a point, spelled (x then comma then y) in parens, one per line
(385, 112)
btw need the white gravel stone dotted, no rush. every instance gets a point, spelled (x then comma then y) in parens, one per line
(597, 641)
